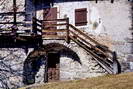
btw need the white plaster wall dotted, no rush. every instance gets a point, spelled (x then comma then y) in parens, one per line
(114, 21)
(67, 9)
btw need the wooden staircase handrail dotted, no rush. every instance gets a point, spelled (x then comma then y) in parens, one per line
(54, 20)
(92, 46)
(113, 68)
(87, 37)
(108, 60)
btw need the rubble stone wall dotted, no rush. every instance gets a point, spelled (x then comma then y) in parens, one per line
(113, 27)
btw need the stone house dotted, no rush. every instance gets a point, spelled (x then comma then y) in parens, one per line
(108, 23)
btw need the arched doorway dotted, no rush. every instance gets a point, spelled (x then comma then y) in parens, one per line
(49, 55)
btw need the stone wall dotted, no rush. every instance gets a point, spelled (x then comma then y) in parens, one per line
(114, 23)
(70, 69)
(113, 30)
(12, 65)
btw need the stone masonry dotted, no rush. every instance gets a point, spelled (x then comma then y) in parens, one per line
(113, 30)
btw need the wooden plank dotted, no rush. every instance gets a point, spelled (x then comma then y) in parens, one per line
(51, 25)
(14, 12)
(67, 34)
(54, 30)
(88, 43)
(11, 13)
(52, 37)
(54, 20)
(95, 56)
(86, 36)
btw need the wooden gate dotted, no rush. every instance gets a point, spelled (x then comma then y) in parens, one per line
(53, 67)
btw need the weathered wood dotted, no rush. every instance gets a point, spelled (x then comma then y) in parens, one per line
(67, 34)
(89, 44)
(54, 30)
(116, 65)
(54, 20)
(11, 13)
(52, 37)
(14, 12)
(95, 56)
(86, 36)
(52, 25)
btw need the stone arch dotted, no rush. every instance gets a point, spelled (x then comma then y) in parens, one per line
(37, 58)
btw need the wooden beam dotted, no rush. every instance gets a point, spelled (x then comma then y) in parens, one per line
(52, 37)
(95, 56)
(67, 27)
(11, 13)
(54, 30)
(54, 20)
(14, 12)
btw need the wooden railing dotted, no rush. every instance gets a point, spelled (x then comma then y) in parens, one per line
(11, 27)
(101, 53)
(61, 29)
(55, 29)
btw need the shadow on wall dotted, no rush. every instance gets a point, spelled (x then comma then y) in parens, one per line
(8, 71)
(40, 4)
(37, 58)
(132, 22)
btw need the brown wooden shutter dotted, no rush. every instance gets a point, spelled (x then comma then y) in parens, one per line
(80, 17)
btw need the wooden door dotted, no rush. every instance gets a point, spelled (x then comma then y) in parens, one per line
(49, 14)
(53, 67)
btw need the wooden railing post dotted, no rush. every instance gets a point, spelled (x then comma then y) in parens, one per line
(14, 12)
(67, 33)
(116, 65)
(34, 25)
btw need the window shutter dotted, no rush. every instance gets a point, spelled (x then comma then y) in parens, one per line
(80, 17)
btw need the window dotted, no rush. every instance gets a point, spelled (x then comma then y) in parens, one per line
(80, 17)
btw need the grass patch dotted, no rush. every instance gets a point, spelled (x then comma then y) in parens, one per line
(122, 81)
